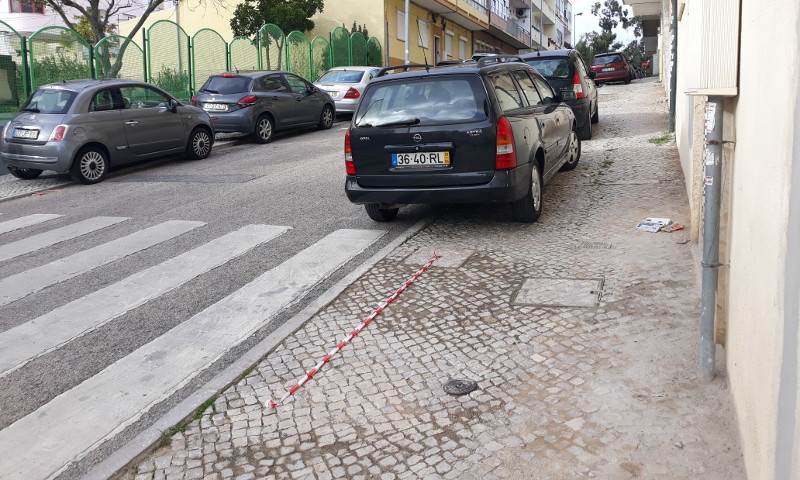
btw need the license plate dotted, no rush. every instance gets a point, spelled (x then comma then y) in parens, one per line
(421, 159)
(609, 69)
(333, 94)
(21, 133)
(215, 106)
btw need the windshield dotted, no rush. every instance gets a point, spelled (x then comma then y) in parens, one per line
(606, 59)
(342, 76)
(49, 100)
(422, 101)
(226, 85)
(551, 67)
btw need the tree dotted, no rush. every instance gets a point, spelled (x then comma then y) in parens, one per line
(289, 15)
(362, 29)
(611, 14)
(86, 31)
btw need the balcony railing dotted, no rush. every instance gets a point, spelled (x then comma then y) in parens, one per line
(479, 5)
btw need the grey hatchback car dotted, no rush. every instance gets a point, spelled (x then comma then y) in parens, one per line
(261, 103)
(85, 126)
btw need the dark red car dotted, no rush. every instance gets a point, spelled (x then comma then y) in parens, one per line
(612, 67)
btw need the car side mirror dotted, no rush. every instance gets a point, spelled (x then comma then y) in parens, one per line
(592, 74)
(173, 105)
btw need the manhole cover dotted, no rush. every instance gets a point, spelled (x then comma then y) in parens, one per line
(460, 386)
(595, 245)
(559, 292)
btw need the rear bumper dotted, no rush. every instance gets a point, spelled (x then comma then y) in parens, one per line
(581, 110)
(227, 123)
(55, 156)
(617, 76)
(505, 186)
(346, 105)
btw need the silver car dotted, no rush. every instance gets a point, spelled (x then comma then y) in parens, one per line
(346, 85)
(85, 126)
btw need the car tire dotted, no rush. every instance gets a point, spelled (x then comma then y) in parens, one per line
(375, 212)
(25, 173)
(628, 79)
(596, 115)
(199, 145)
(585, 131)
(528, 209)
(90, 166)
(325, 118)
(265, 128)
(574, 151)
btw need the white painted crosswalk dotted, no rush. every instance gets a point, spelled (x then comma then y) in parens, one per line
(47, 441)
(22, 222)
(36, 242)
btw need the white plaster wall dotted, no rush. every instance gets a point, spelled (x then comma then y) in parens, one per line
(764, 122)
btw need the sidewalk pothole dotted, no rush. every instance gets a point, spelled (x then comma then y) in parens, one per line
(559, 292)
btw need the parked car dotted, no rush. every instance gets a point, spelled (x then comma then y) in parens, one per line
(487, 131)
(261, 103)
(85, 126)
(567, 74)
(345, 85)
(612, 67)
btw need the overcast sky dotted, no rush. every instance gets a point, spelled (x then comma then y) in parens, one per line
(588, 22)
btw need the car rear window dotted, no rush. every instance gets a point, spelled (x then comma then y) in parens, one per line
(226, 85)
(551, 67)
(342, 76)
(606, 59)
(49, 100)
(423, 101)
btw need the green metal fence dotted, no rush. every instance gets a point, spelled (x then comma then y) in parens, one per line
(168, 57)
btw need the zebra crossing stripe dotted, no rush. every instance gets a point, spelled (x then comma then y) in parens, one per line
(31, 244)
(44, 443)
(27, 221)
(32, 339)
(22, 284)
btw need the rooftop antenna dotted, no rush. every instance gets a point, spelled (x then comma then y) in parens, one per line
(427, 67)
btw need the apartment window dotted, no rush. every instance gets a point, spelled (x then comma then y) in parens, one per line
(401, 25)
(448, 45)
(424, 34)
(462, 48)
(25, 6)
(560, 37)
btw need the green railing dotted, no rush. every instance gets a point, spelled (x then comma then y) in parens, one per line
(168, 57)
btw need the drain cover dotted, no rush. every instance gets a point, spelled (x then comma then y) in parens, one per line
(559, 292)
(460, 386)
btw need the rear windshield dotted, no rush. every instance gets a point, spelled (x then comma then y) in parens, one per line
(342, 76)
(49, 100)
(225, 85)
(606, 59)
(423, 101)
(551, 67)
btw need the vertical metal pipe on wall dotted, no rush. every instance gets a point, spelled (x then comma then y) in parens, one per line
(712, 180)
(408, 15)
(673, 76)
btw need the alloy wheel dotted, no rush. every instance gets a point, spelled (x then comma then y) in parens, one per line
(92, 165)
(201, 144)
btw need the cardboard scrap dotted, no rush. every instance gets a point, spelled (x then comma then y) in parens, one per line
(654, 225)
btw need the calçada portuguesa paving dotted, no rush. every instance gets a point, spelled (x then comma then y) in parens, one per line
(580, 331)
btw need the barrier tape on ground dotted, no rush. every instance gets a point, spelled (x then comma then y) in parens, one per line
(308, 376)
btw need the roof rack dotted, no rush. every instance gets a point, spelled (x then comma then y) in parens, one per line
(483, 61)
(405, 68)
(444, 63)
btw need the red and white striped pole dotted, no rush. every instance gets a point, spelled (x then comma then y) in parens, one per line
(308, 376)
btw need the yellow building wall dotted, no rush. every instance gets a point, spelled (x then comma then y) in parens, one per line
(192, 16)
(397, 47)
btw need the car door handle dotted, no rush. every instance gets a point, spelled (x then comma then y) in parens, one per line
(131, 122)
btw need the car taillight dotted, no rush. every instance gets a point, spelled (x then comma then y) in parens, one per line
(506, 156)
(247, 101)
(352, 93)
(58, 133)
(194, 100)
(348, 155)
(578, 88)
(227, 75)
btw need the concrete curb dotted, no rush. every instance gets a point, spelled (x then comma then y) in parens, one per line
(144, 441)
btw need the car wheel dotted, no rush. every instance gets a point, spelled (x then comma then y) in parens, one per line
(90, 166)
(326, 118)
(585, 131)
(199, 146)
(379, 214)
(573, 151)
(528, 209)
(264, 129)
(628, 79)
(24, 173)
(596, 115)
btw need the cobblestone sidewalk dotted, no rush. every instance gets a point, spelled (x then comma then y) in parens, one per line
(580, 331)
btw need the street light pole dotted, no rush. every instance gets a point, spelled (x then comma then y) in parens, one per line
(574, 27)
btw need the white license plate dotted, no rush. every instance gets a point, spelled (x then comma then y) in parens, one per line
(421, 159)
(333, 94)
(610, 69)
(21, 133)
(214, 106)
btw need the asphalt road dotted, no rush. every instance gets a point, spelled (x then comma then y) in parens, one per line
(296, 181)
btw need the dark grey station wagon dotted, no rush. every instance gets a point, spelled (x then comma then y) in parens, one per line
(84, 126)
(486, 131)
